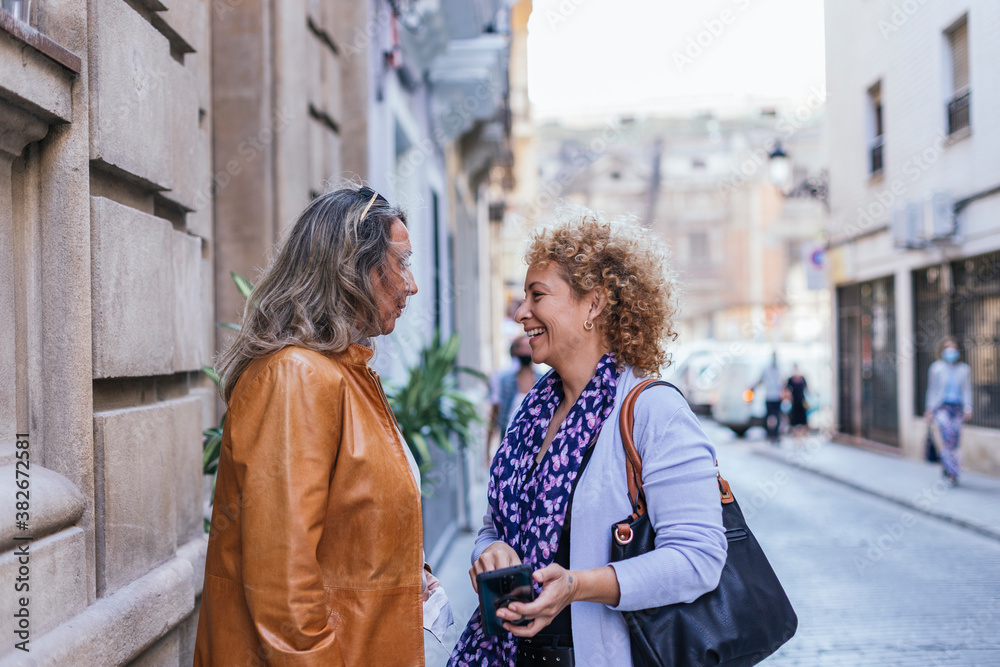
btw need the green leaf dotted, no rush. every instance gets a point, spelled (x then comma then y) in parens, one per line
(242, 284)
(228, 325)
(451, 348)
(473, 372)
(210, 452)
(210, 372)
(441, 437)
(418, 445)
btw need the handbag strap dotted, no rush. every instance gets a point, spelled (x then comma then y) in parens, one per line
(633, 462)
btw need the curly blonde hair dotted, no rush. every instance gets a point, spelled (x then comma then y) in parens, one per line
(631, 265)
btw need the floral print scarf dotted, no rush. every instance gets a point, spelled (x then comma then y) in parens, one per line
(528, 501)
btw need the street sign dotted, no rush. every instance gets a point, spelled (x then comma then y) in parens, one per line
(814, 258)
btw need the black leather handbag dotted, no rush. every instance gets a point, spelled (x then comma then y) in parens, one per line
(744, 620)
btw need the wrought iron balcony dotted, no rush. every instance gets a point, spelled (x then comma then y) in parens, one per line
(875, 157)
(958, 113)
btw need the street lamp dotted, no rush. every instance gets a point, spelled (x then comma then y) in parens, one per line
(779, 165)
(812, 187)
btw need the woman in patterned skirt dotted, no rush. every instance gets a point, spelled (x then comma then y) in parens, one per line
(948, 403)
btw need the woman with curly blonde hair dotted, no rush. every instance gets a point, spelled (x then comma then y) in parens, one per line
(599, 308)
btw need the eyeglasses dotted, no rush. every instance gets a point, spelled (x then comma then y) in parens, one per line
(368, 192)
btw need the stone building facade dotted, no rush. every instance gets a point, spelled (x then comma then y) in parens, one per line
(147, 149)
(915, 214)
(105, 232)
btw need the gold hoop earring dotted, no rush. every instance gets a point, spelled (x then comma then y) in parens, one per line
(588, 325)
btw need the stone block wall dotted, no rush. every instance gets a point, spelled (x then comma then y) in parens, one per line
(123, 209)
(133, 299)
(130, 123)
(285, 81)
(107, 304)
(137, 529)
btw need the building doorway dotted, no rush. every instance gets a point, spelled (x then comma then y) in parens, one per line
(866, 343)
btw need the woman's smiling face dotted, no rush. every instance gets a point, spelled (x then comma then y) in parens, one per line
(552, 316)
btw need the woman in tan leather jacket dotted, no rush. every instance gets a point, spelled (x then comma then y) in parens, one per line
(314, 554)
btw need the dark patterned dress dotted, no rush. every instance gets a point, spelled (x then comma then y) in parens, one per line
(529, 501)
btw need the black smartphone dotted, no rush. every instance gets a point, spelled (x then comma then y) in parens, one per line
(498, 589)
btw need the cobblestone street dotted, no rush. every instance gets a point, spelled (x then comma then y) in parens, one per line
(872, 582)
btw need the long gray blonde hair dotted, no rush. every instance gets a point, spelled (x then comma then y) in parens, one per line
(318, 290)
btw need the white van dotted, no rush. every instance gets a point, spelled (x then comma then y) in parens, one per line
(741, 403)
(687, 373)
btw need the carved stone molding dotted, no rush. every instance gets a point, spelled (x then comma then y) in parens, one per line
(18, 128)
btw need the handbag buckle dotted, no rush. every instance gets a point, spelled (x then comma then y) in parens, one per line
(725, 493)
(623, 534)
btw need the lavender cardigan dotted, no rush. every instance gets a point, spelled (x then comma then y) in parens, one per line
(678, 469)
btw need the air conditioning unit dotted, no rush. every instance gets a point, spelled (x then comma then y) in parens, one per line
(907, 222)
(921, 222)
(939, 216)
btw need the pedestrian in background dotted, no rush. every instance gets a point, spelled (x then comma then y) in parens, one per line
(948, 403)
(798, 417)
(771, 379)
(511, 387)
(599, 308)
(315, 549)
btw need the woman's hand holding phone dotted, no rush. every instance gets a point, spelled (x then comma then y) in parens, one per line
(496, 556)
(559, 587)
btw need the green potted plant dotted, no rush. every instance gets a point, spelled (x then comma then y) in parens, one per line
(429, 407)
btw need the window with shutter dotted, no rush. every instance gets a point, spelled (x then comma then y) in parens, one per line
(957, 40)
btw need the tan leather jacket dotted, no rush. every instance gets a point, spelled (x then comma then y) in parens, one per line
(314, 555)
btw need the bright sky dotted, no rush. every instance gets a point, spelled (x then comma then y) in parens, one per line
(591, 57)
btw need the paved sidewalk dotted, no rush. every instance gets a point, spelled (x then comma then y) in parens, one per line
(974, 504)
(454, 576)
(453, 572)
